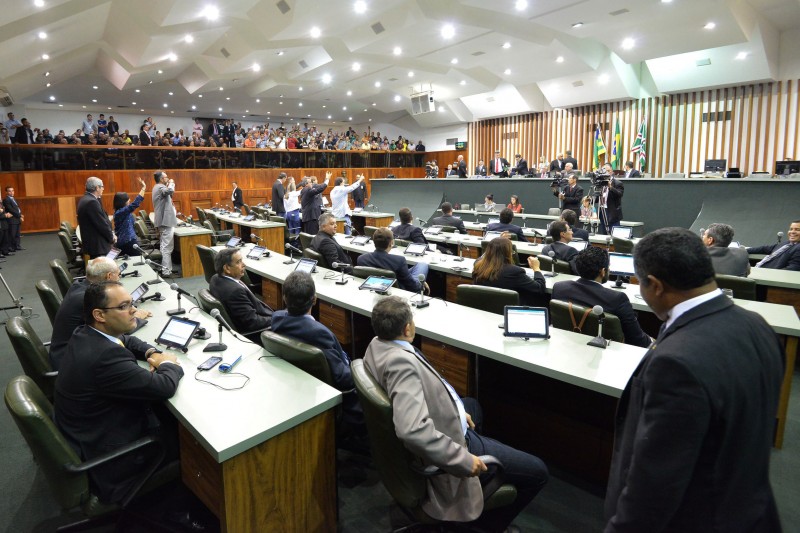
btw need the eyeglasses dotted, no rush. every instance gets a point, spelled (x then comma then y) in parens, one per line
(124, 306)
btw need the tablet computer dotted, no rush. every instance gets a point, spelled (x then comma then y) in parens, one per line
(139, 292)
(526, 322)
(178, 333)
(489, 235)
(113, 253)
(494, 220)
(361, 240)
(233, 242)
(620, 264)
(248, 218)
(306, 265)
(256, 252)
(622, 232)
(433, 230)
(377, 284)
(578, 245)
(416, 248)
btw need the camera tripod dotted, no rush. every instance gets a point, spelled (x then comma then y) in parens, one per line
(25, 312)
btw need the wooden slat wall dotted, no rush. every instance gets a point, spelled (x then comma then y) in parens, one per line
(762, 129)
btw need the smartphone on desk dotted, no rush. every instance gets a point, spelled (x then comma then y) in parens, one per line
(209, 363)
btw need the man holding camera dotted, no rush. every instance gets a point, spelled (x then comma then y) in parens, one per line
(610, 199)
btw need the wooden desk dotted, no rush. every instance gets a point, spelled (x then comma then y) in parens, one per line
(261, 458)
(186, 240)
(272, 233)
(780, 286)
(370, 218)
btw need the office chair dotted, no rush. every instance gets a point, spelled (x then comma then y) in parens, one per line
(369, 231)
(401, 243)
(448, 229)
(147, 239)
(306, 357)
(246, 209)
(400, 471)
(364, 272)
(743, 288)
(313, 254)
(209, 302)
(219, 238)
(286, 235)
(561, 266)
(207, 256)
(201, 214)
(32, 354)
(621, 245)
(62, 275)
(147, 222)
(72, 252)
(514, 254)
(588, 324)
(305, 240)
(554, 212)
(66, 475)
(51, 300)
(491, 299)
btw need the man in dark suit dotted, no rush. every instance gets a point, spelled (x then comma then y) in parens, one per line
(97, 235)
(569, 159)
(11, 207)
(631, 172)
(406, 230)
(360, 194)
(447, 219)
(450, 171)
(499, 165)
(5, 247)
(695, 423)
(144, 136)
(278, 194)
(407, 277)
(520, 166)
(506, 216)
(480, 170)
(561, 234)
(105, 400)
(592, 267)
(214, 130)
(24, 135)
(570, 217)
(324, 243)
(250, 316)
(462, 167)
(726, 260)
(311, 203)
(557, 164)
(782, 256)
(611, 202)
(237, 197)
(572, 195)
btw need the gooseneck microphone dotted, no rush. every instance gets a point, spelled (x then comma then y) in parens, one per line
(422, 222)
(157, 297)
(218, 346)
(461, 246)
(422, 301)
(342, 266)
(598, 341)
(780, 237)
(552, 272)
(292, 250)
(142, 256)
(180, 310)
(255, 237)
(153, 264)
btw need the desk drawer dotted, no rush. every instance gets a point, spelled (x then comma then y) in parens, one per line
(337, 320)
(454, 364)
(200, 472)
(452, 281)
(272, 293)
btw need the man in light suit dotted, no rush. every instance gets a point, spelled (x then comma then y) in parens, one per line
(695, 423)
(441, 429)
(165, 218)
(731, 261)
(631, 172)
(592, 267)
(407, 277)
(97, 235)
(237, 197)
(499, 165)
(480, 170)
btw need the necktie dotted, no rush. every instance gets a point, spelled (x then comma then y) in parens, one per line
(774, 254)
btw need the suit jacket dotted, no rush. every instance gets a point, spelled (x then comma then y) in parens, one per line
(426, 420)
(451, 172)
(97, 235)
(694, 427)
(450, 220)
(395, 263)
(557, 166)
(562, 251)
(69, 317)
(331, 251)
(11, 206)
(589, 293)
(788, 260)
(633, 174)
(462, 169)
(214, 130)
(730, 261)
(571, 160)
(521, 168)
(614, 203)
(310, 203)
(164, 213)
(573, 196)
(278, 193)
(514, 278)
(238, 198)
(503, 164)
(409, 232)
(101, 403)
(480, 170)
(511, 228)
(24, 135)
(144, 138)
(360, 193)
(578, 233)
(248, 314)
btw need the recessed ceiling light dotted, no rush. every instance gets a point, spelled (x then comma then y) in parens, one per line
(377, 84)
(507, 71)
(521, 4)
(46, 73)
(133, 103)
(220, 109)
(150, 82)
(323, 107)
(222, 88)
(710, 26)
(160, 72)
(52, 98)
(60, 105)
(194, 107)
(397, 51)
(454, 61)
(365, 109)
(349, 118)
(315, 32)
(560, 59)
(741, 55)
(356, 66)
(287, 114)
(349, 93)
(506, 45)
(170, 93)
(280, 103)
(210, 12)
(269, 112)
(48, 84)
(628, 43)
(83, 106)
(577, 24)
(299, 88)
(326, 78)
(246, 110)
(42, 35)
(344, 108)
(199, 95)
(188, 38)
(256, 67)
(172, 56)
(38, 3)
(108, 108)
(666, 1)
(300, 104)
(462, 82)
(138, 90)
(172, 112)
(141, 110)
(45, 57)
(360, 6)
(397, 98)
(410, 73)
(373, 103)
(603, 79)
(94, 87)
(448, 31)
(228, 98)
(329, 117)
(258, 100)
(94, 100)
(165, 104)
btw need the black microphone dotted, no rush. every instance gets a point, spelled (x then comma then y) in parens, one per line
(598, 341)
(157, 297)
(422, 302)
(422, 221)
(157, 279)
(608, 244)
(253, 236)
(180, 310)
(353, 231)
(342, 266)
(134, 274)
(291, 249)
(780, 237)
(461, 246)
(218, 346)
(143, 254)
(177, 289)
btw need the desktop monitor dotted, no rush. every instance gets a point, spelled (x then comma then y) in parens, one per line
(620, 264)
(715, 165)
(784, 168)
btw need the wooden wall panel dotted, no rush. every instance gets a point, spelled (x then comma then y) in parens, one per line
(40, 213)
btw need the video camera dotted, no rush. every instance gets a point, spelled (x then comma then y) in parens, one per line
(600, 178)
(558, 180)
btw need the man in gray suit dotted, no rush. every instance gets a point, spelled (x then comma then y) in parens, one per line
(730, 261)
(440, 428)
(165, 219)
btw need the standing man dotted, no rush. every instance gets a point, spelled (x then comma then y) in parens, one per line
(5, 247)
(278, 194)
(557, 165)
(610, 202)
(236, 197)
(631, 172)
(572, 195)
(499, 165)
(480, 170)
(520, 166)
(695, 423)
(310, 207)
(24, 135)
(781, 256)
(97, 235)
(462, 167)
(570, 159)
(339, 206)
(165, 219)
(10, 206)
(113, 126)
(88, 127)
(11, 125)
(360, 194)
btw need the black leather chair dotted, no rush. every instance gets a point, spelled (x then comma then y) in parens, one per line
(51, 300)
(306, 357)
(364, 272)
(149, 240)
(400, 471)
(207, 256)
(72, 252)
(546, 262)
(32, 354)
(448, 229)
(743, 288)
(369, 231)
(561, 319)
(401, 243)
(201, 214)
(286, 235)
(313, 254)
(62, 275)
(622, 246)
(219, 238)
(305, 240)
(489, 299)
(209, 302)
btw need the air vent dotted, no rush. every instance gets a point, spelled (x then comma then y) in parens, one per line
(476, 54)
(719, 116)
(123, 106)
(392, 79)
(225, 53)
(378, 28)
(283, 7)
(578, 83)
(5, 98)
(703, 62)
(451, 142)
(619, 12)
(303, 63)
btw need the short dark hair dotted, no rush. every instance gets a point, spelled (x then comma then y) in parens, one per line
(721, 233)
(629, 164)
(298, 293)
(224, 258)
(676, 256)
(590, 261)
(96, 297)
(382, 238)
(281, 175)
(556, 228)
(157, 175)
(389, 316)
(569, 216)
(506, 215)
(120, 199)
(446, 207)
(405, 215)
(338, 181)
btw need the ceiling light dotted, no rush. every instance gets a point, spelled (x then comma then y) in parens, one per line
(454, 61)
(287, 114)
(228, 98)
(603, 79)
(300, 104)
(560, 59)
(48, 84)
(280, 53)
(133, 103)
(160, 72)
(323, 107)
(299, 88)
(377, 84)
(365, 109)
(448, 31)
(710, 26)
(397, 98)
(94, 87)
(210, 13)
(150, 82)
(52, 98)
(326, 78)
(410, 73)
(165, 105)
(45, 57)
(507, 71)
(397, 51)
(462, 82)
(329, 117)
(220, 109)
(520, 5)
(172, 57)
(138, 90)
(349, 118)
(222, 88)
(577, 25)
(109, 108)
(373, 103)
(666, 1)
(38, 3)
(199, 95)
(141, 110)
(42, 35)
(506, 45)
(256, 67)
(60, 105)
(83, 106)
(315, 32)
(360, 6)
(246, 110)
(258, 100)
(46, 73)
(280, 103)
(628, 43)
(188, 38)
(94, 100)
(356, 66)
(741, 55)
(344, 108)
(349, 93)
(170, 93)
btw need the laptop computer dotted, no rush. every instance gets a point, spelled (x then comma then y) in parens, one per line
(495, 220)
(433, 230)
(361, 240)
(489, 235)
(578, 245)
(526, 322)
(620, 264)
(622, 232)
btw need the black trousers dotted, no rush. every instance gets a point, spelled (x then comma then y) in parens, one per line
(13, 236)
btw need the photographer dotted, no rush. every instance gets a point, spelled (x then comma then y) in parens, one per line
(431, 170)
(610, 192)
(571, 195)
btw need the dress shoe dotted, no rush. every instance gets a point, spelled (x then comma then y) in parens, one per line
(9, 253)
(19, 248)
(185, 521)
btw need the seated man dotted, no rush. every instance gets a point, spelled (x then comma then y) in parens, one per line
(592, 267)
(447, 219)
(571, 217)
(324, 244)
(70, 314)
(488, 204)
(561, 234)
(782, 256)
(506, 216)
(730, 261)
(406, 230)
(105, 400)
(299, 296)
(250, 316)
(436, 425)
(407, 277)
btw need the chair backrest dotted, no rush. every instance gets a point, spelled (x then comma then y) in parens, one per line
(560, 318)
(306, 357)
(66, 244)
(554, 212)
(743, 288)
(246, 209)
(313, 254)
(448, 229)
(201, 214)
(369, 231)
(31, 353)
(209, 302)
(51, 300)
(207, 256)
(489, 299)
(211, 217)
(61, 274)
(286, 235)
(67, 225)
(141, 230)
(33, 414)
(561, 266)
(364, 272)
(392, 460)
(622, 246)
(401, 243)
(305, 240)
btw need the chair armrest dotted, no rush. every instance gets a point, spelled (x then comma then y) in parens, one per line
(53, 374)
